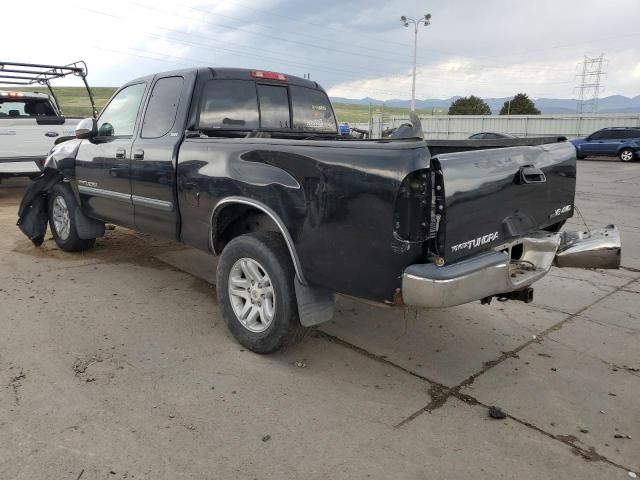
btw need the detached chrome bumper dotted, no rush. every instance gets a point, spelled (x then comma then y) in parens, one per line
(511, 269)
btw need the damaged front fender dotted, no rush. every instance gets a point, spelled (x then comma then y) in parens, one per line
(33, 214)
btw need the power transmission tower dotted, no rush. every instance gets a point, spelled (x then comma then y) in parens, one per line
(590, 83)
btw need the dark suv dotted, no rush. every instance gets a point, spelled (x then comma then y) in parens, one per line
(623, 142)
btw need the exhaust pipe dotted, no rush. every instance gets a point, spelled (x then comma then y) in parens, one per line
(599, 248)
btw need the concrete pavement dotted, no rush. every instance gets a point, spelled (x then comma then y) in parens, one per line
(115, 364)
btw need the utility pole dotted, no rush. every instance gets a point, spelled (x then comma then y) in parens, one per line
(426, 20)
(590, 84)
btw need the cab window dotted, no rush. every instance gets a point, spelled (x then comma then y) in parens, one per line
(312, 110)
(162, 107)
(229, 105)
(274, 107)
(119, 117)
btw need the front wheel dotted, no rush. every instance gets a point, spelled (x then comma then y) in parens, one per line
(626, 155)
(254, 282)
(62, 208)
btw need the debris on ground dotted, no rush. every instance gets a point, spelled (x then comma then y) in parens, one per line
(301, 364)
(632, 475)
(266, 438)
(584, 430)
(496, 412)
(622, 435)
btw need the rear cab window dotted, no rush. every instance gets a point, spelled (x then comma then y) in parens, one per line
(246, 105)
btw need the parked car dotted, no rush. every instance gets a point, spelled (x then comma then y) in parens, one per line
(623, 142)
(249, 165)
(490, 136)
(30, 121)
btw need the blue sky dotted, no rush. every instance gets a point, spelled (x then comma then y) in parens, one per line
(491, 48)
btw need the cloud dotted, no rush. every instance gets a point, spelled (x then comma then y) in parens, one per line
(354, 49)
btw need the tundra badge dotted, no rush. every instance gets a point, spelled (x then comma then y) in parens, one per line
(476, 242)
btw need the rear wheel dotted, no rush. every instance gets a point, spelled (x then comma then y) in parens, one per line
(256, 294)
(62, 208)
(626, 155)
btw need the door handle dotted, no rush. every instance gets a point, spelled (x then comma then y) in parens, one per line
(51, 134)
(531, 174)
(138, 154)
(121, 153)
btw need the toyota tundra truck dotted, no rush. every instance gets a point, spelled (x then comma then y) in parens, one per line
(249, 165)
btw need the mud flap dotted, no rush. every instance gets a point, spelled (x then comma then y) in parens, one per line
(86, 227)
(315, 305)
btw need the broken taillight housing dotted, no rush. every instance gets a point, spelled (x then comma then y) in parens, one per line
(413, 206)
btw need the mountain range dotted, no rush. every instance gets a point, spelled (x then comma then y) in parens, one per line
(610, 104)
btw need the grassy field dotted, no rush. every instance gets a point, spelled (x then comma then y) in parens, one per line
(75, 103)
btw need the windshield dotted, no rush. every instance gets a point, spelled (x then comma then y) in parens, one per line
(25, 108)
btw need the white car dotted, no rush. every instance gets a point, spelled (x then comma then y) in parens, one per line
(31, 122)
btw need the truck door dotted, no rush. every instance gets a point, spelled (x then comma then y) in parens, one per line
(155, 154)
(103, 163)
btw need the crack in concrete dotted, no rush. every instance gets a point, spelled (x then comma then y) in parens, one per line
(440, 393)
(16, 383)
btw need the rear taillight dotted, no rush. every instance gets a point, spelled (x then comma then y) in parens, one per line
(269, 75)
(413, 205)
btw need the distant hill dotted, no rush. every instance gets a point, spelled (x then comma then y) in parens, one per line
(610, 104)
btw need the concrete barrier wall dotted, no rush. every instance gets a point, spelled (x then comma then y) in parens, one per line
(461, 126)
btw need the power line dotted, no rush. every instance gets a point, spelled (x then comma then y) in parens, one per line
(287, 40)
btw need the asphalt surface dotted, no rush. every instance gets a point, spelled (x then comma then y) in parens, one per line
(115, 364)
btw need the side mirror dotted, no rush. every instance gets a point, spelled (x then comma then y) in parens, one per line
(87, 128)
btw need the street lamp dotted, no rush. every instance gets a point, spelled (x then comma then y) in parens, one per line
(426, 20)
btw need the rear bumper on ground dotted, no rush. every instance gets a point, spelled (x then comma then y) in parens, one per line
(497, 273)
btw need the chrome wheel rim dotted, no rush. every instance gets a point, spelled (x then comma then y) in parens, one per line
(252, 295)
(61, 220)
(626, 156)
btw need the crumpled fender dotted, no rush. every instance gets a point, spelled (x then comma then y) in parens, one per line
(62, 157)
(33, 214)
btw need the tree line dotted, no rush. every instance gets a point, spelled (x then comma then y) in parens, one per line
(472, 105)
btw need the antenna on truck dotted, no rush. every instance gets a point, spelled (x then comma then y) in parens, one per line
(12, 73)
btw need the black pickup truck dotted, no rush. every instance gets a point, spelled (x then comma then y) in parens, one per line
(248, 165)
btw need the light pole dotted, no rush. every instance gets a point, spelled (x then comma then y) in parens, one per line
(426, 20)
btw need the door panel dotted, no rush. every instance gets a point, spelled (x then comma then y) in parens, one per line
(102, 171)
(155, 153)
(103, 164)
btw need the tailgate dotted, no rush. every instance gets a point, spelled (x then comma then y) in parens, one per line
(488, 197)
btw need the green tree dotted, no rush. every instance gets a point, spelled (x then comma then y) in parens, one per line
(520, 105)
(469, 106)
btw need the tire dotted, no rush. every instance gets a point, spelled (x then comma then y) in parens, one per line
(62, 207)
(257, 268)
(626, 155)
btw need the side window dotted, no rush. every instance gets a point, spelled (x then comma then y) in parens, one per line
(162, 107)
(119, 117)
(229, 105)
(632, 134)
(274, 107)
(611, 134)
(599, 135)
